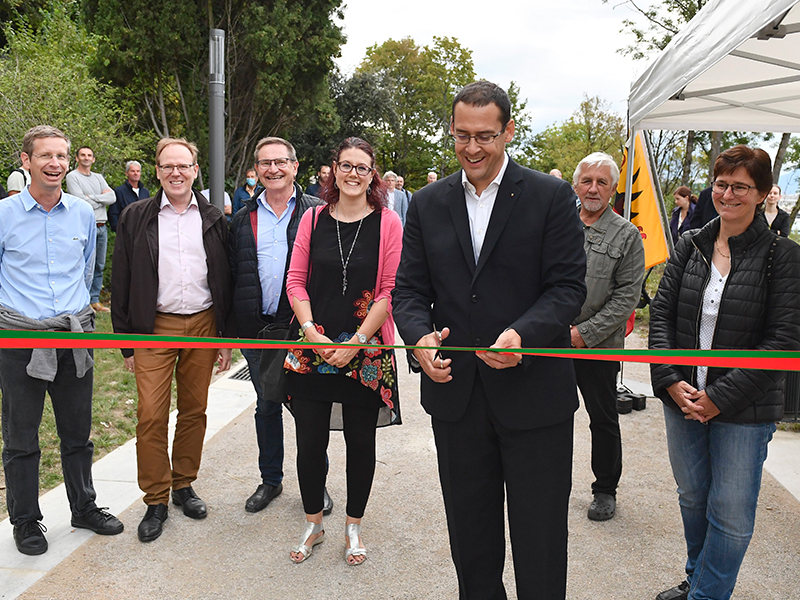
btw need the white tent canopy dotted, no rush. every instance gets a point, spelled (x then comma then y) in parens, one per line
(734, 67)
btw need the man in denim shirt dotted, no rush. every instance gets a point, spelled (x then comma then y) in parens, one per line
(614, 273)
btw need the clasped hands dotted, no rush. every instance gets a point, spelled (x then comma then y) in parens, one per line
(438, 368)
(337, 357)
(694, 403)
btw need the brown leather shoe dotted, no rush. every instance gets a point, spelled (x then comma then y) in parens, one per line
(97, 307)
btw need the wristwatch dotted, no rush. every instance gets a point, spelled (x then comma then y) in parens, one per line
(362, 339)
(306, 325)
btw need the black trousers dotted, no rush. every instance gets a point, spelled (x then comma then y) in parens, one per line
(597, 381)
(312, 425)
(23, 403)
(480, 461)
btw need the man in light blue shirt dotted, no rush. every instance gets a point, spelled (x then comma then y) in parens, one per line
(260, 246)
(47, 247)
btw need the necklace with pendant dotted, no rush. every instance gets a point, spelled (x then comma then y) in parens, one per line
(353, 245)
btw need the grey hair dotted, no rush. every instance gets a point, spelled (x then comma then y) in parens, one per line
(597, 159)
(389, 174)
(132, 163)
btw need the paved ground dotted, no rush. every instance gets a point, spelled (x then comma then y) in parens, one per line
(234, 554)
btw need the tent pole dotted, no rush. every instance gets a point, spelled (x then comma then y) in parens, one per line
(629, 174)
(662, 210)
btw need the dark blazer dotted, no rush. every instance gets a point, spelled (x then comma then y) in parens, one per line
(676, 231)
(530, 277)
(781, 224)
(134, 272)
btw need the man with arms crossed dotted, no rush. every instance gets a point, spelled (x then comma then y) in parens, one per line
(93, 188)
(614, 273)
(260, 249)
(47, 243)
(170, 276)
(492, 256)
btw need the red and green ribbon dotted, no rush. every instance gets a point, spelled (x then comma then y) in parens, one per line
(743, 359)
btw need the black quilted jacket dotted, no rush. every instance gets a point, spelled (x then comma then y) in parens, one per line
(244, 267)
(759, 309)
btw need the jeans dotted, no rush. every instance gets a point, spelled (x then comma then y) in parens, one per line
(269, 426)
(718, 470)
(23, 402)
(99, 264)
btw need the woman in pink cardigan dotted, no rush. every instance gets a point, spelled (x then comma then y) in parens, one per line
(340, 285)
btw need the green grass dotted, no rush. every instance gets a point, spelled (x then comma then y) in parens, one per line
(113, 414)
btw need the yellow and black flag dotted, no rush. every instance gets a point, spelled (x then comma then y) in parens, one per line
(645, 206)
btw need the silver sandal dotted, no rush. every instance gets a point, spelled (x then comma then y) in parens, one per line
(353, 531)
(304, 550)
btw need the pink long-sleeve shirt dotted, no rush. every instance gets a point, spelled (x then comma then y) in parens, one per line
(391, 245)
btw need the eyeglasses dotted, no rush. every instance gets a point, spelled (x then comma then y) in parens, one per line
(62, 158)
(278, 162)
(482, 138)
(738, 189)
(361, 170)
(182, 169)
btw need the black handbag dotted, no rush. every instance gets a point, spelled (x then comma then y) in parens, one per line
(272, 375)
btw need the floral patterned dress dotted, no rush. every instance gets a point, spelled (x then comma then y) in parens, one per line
(370, 379)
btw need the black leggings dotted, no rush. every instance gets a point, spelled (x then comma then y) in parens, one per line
(312, 424)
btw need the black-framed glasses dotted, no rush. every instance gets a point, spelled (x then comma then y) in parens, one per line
(278, 162)
(482, 138)
(182, 169)
(738, 189)
(361, 170)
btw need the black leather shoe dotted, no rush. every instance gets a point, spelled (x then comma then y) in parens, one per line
(193, 507)
(603, 507)
(29, 537)
(264, 494)
(327, 503)
(680, 592)
(153, 522)
(100, 521)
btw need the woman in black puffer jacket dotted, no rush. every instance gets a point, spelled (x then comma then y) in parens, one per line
(731, 285)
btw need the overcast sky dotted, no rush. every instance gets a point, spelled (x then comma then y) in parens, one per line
(554, 51)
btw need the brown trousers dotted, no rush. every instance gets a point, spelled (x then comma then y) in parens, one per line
(154, 368)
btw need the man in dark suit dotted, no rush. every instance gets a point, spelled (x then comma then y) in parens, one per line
(493, 256)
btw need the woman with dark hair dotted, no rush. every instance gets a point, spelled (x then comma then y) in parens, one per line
(685, 202)
(340, 283)
(777, 219)
(731, 285)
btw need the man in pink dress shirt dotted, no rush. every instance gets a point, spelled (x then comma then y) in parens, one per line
(171, 276)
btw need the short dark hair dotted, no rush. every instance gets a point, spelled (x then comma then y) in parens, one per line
(89, 148)
(377, 195)
(755, 161)
(483, 93)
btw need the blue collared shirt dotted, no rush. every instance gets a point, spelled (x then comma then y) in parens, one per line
(273, 247)
(46, 258)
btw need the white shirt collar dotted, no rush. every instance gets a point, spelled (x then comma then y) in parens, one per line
(466, 182)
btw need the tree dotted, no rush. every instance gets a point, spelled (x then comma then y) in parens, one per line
(421, 82)
(44, 79)
(662, 20)
(278, 56)
(593, 127)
